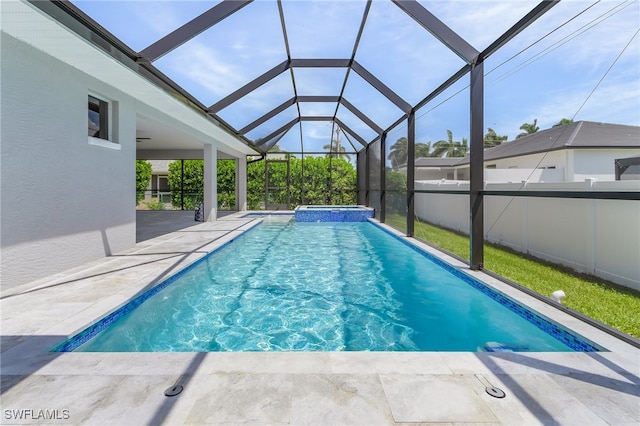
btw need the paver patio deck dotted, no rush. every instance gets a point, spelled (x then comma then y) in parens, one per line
(289, 387)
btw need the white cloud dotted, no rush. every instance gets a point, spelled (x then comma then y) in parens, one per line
(319, 81)
(480, 22)
(578, 42)
(615, 103)
(320, 130)
(322, 28)
(209, 68)
(555, 85)
(159, 17)
(587, 46)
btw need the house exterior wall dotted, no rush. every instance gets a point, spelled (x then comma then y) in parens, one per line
(523, 168)
(597, 237)
(64, 201)
(531, 161)
(555, 166)
(599, 163)
(424, 173)
(567, 165)
(577, 164)
(519, 175)
(493, 175)
(160, 167)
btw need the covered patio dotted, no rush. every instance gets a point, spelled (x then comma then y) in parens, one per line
(152, 224)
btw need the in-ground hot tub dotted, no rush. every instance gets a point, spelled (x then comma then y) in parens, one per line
(333, 213)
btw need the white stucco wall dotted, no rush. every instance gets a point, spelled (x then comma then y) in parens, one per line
(518, 175)
(599, 163)
(63, 201)
(568, 165)
(160, 166)
(435, 173)
(598, 237)
(549, 159)
(576, 164)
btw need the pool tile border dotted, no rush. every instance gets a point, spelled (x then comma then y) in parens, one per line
(333, 213)
(572, 339)
(73, 342)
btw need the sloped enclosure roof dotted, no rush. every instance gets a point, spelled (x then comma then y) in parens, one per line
(299, 74)
(312, 70)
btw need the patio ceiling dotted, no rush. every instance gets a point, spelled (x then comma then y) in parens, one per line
(290, 73)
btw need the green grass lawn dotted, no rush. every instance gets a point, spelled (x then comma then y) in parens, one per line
(594, 297)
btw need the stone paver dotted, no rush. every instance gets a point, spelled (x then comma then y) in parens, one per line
(281, 388)
(435, 399)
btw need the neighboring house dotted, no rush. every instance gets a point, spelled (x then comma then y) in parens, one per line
(569, 153)
(159, 183)
(433, 168)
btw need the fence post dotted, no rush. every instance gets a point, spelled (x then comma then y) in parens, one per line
(383, 178)
(525, 220)
(411, 179)
(591, 232)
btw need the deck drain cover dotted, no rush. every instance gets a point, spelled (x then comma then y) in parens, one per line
(495, 392)
(173, 390)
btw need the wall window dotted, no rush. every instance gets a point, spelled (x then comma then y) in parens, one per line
(98, 125)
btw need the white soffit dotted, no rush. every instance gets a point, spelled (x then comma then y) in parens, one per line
(25, 23)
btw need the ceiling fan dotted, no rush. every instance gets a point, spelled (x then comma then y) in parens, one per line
(142, 139)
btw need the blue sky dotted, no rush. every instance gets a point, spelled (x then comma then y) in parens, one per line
(553, 79)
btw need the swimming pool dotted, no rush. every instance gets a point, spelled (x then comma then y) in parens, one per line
(322, 287)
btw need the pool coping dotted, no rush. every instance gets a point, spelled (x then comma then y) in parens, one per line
(37, 316)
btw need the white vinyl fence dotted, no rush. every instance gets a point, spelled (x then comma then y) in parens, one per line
(598, 237)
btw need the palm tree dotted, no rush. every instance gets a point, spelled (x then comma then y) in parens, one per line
(423, 149)
(563, 122)
(400, 151)
(492, 139)
(529, 128)
(335, 147)
(398, 154)
(450, 148)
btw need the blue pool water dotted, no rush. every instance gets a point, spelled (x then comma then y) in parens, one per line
(323, 287)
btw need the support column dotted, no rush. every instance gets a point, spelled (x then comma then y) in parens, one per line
(476, 167)
(383, 177)
(210, 183)
(360, 180)
(241, 184)
(181, 185)
(411, 171)
(367, 168)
